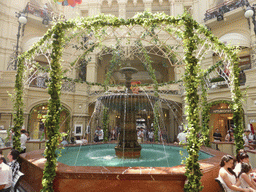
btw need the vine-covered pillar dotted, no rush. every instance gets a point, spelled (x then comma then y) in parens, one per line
(205, 113)
(156, 121)
(236, 95)
(53, 116)
(105, 123)
(18, 106)
(191, 83)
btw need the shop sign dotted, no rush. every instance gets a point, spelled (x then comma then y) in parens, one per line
(221, 111)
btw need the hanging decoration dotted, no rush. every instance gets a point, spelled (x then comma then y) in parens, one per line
(71, 3)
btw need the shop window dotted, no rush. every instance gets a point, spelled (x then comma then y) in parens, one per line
(36, 124)
(245, 62)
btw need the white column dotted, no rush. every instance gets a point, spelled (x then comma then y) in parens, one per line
(94, 8)
(196, 10)
(91, 70)
(178, 8)
(253, 44)
(122, 10)
(148, 5)
(171, 7)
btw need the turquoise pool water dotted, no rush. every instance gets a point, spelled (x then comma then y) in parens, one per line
(104, 155)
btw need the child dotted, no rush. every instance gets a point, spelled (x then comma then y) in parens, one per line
(245, 177)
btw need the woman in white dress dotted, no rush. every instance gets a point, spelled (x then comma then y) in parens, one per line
(227, 176)
(245, 177)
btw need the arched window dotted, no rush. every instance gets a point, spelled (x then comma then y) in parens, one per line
(36, 122)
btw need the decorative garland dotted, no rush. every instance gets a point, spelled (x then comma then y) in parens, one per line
(191, 82)
(236, 96)
(156, 121)
(18, 106)
(105, 122)
(205, 113)
(53, 116)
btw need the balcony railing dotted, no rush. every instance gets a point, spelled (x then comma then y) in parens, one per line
(44, 13)
(220, 82)
(41, 82)
(222, 8)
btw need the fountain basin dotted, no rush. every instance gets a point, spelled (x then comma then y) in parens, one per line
(95, 178)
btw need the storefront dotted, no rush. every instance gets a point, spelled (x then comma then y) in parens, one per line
(36, 122)
(221, 117)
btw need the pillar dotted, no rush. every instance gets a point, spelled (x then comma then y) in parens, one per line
(91, 70)
(148, 5)
(94, 8)
(122, 9)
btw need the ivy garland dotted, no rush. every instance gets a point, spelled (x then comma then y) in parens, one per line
(191, 82)
(156, 121)
(105, 122)
(18, 106)
(53, 115)
(205, 113)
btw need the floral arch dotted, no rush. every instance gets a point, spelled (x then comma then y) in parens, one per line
(182, 41)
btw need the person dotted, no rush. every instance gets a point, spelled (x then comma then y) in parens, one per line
(242, 157)
(142, 135)
(99, 135)
(227, 177)
(160, 136)
(164, 136)
(27, 134)
(182, 137)
(84, 140)
(245, 177)
(13, 163)
(113, 134)
(230, 136)
(64, 141)
(217, 135)
(45, 10)
(251, 137)
(72, 140)
(118, 131)
(78, 141)
(1, 156)
(246, 140)
(151, 135)
(23, 140)
(5, 176)
(139, 135)
(145, 134)
(96, 138)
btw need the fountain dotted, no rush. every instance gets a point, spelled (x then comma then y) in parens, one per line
(128, 166)
(128, 146)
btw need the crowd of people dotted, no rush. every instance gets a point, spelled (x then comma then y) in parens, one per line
(237, 174)
(248, 137)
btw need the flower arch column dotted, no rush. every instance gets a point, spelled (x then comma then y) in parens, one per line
(191, 83)
(53, 119)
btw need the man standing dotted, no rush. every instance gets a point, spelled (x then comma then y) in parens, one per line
(217, 135)
(99, 133)
(23, 140)
(151, 135)
(5, 177)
